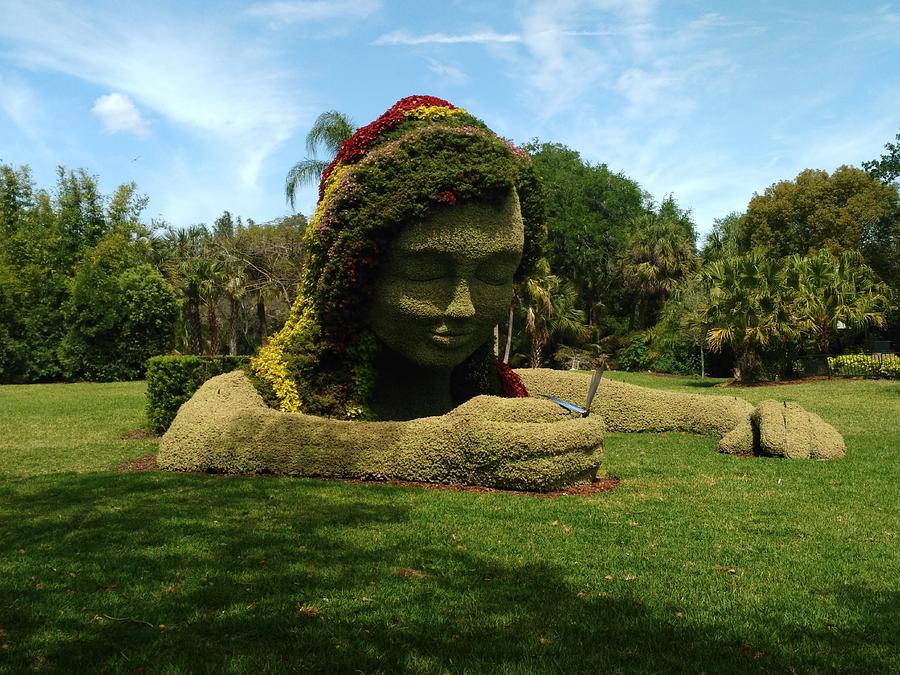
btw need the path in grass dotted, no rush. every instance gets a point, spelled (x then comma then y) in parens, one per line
(697, 562)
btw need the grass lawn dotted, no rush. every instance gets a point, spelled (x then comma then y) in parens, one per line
(696, 562)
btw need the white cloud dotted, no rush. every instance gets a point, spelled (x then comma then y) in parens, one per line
(448, 73)
(20, 104)
(229, 90)
(299, 11)
(118, 114)
(402, 37)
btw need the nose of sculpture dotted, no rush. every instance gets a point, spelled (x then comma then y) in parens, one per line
(461, 306)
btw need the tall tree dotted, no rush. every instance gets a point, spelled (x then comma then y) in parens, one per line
(887, 168)
(722, 241)
(185, 269)
(589, 210)
(329, 131)
(749, 309)
(836, 292)
(660, 253)
(843, 211)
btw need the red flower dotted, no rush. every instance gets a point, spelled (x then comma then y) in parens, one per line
(513, 386)
(355, 147)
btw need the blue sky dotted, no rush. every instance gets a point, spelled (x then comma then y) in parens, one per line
(206, 104)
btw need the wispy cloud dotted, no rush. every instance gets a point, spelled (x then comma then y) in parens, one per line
(300, 11)
(193, 72)
(402, 37)
(20, 104)
(118, 114)
(448, 73)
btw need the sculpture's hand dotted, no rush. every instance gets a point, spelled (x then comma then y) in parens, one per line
(784, 430)
(521, 443)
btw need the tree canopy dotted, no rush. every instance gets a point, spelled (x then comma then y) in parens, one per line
(843, 211)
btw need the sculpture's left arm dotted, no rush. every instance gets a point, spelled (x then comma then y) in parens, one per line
(770, 428)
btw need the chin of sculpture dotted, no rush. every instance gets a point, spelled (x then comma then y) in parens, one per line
(511, 443)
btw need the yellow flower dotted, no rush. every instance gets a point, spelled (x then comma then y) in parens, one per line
(432, 112)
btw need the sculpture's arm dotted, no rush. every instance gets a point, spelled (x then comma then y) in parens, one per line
(769, 428)
(516, 443)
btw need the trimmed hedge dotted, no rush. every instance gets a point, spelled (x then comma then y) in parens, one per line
(514, 443)
(771, 428)
(172, 380)
(866, 365)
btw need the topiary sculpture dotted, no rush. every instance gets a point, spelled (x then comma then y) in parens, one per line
(425, 221)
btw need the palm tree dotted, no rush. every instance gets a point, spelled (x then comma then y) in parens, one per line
(184, 267)
(836, 292)
(682, 319)
(551, 315)
(329, 131)
(658, 256)
(212, 280)
(748, 307)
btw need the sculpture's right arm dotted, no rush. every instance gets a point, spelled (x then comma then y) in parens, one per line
(626, 407)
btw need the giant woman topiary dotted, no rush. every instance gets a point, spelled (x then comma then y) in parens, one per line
(384, 368)
(425, 219)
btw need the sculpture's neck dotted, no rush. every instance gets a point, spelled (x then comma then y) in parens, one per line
(405, 390)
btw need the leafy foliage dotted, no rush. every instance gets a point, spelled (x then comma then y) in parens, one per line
(589, 209)
(884, 365)
(172, 380)
(836, 293)
(843, 211)
(887, 167)
(748, 309)
(47, 236)
(636, 356)
(659, 254)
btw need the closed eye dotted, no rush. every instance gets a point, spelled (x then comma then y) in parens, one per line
(424, 267)
(498, 269)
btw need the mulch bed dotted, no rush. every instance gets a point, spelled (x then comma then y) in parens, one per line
(149, 463)
(776, 383)
(138, 435)
(599, 485)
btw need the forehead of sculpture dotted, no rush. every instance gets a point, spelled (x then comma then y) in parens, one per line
(471, 230)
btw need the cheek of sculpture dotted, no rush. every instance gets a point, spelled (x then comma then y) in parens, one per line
(447, 281)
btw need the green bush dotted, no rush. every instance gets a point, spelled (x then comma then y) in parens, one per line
(865, 365)
(636, 356)
(890, 368)
(119, 314)
(172, 380)
(676, 358)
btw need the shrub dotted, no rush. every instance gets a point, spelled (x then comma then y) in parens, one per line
(636, 356)
(865, 365)
(116, 320)
(677, 358)
(890, 367)
(172, 380)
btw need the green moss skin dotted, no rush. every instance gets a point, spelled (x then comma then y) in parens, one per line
(772, 428)
(521, 444)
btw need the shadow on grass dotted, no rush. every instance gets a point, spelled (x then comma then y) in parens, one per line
(272, 575)
(702, 384)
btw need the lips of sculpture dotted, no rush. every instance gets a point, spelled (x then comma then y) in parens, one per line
(446, 338)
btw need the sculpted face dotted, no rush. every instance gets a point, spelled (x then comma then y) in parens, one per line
(447, 281)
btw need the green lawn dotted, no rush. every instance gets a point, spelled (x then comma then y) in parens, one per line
(697, 562)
